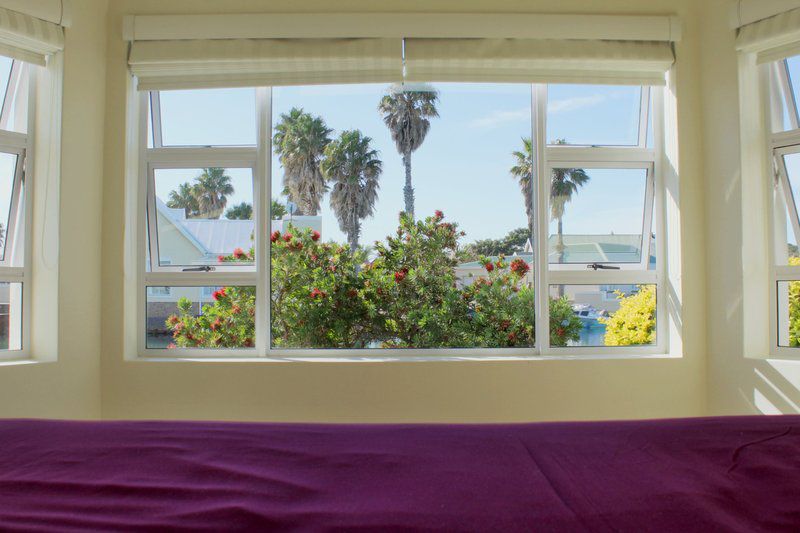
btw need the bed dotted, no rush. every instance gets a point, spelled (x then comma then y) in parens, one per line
(706, 474)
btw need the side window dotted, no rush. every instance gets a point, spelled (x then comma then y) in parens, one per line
(14, 211)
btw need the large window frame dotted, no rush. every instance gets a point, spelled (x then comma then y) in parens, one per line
(546, 157)
(15, 264)
(779, 97)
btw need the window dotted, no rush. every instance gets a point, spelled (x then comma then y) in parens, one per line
(14, 207)
(785, 139)
(308, 220)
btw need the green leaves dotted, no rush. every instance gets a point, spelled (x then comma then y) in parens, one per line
(406, 296)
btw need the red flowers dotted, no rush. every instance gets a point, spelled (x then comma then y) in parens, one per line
(221, 258)
(214, 325)
(489, 267)
(218, 294)
(315, 235)
(438, 215)
(287, 237)
(519, 267)
(400, 275)
(317, 294)
(275, 236)
(238, 253)
(560, 332)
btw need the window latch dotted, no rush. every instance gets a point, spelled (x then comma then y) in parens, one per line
(204, 268)
(598, 266)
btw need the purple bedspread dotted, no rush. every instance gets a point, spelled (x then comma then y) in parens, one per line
(713, 474)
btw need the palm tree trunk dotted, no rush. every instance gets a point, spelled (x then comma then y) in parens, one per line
(408, 190)
(560, 246)
(352, 235)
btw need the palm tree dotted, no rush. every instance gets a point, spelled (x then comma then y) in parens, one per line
(242, 211)
(299, 142)
(184, 198)
(212, 190)
(523, 172)
(407, 114)
(354, 168)
(278, 210)
(564, 183)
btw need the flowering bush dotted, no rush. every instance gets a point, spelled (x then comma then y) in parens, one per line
(634, 323)
(327, 296)
(316, 290)
(228, 322)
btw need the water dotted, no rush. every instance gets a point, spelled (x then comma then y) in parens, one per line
(592, 334)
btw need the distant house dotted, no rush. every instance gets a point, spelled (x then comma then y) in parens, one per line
(192, 241)
(198, 241)
(581, 249)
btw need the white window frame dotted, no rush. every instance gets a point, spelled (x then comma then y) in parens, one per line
(571, 156)
(545, 158)
(778, 93)
(257, 159)
(15, 265)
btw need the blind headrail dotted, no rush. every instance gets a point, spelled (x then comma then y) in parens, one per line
(401, 25)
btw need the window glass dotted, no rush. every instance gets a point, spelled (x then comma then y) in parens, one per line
(596, 215)
(8, 167)
(10, 316)
(602, 315)
(200, 317)
(793, 66)
(208, 117)
(593, 115)
(346, 272)
(5, 74)
(204, 216)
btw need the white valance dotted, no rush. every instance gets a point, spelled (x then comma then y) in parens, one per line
(28, 38)
(188, 64)
(772, 38)
(538, 61)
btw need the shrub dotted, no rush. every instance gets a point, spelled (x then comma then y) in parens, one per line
(634, 323)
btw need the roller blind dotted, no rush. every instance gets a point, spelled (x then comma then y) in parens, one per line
(28, 38)
(191, 64)
(773, 38)
(538, 61)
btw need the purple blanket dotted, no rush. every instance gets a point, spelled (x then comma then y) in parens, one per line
(713, 474)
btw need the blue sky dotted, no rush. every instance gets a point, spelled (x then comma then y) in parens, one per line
(462, 167)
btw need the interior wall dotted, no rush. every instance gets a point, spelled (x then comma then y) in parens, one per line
(408, 391)
(738, 382)
(68, 386)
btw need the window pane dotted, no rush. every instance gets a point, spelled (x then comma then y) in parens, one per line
(785, 224)
(596, 215)
(405, 285)
(10, 316)
(602, 315)
(200, 317)
(8, 168)
(209, 117)
(793, 64)
(205, 216)
(789, 314)
(593, 115)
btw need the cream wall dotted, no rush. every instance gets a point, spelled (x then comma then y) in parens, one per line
(741, 381)
(69, 386)
(408, 391)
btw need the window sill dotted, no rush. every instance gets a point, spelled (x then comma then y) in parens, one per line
(403, 359)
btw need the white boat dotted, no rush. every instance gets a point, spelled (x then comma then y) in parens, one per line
(588, 312)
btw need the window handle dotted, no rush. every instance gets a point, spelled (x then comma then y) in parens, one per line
(598, 266)
(204, 268)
